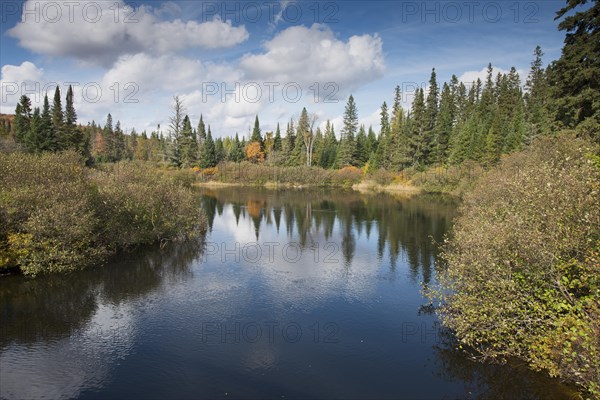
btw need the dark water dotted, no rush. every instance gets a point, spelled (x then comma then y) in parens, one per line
(292, 294)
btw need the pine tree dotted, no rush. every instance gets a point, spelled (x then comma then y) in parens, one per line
(443, 126)
(536, 98)
(105, 151)
(289, 142)
(118, 143)
(237, 151)
(33, 137)
(58, 120)
(188, 144)
(361, 153)
(47, 129)
(347, 146)
(22, 118)
(419, 123)
(431, 111)
(371, 141)
(574, 76)
(219, 150)
(256, 136)
(277, 140)
(328, 155)
(208, 158)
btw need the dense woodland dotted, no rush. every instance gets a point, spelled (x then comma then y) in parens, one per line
(447, 124)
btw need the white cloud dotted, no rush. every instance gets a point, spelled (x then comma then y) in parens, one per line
(100, 32)
(308, 55)
(27, 71)
(16, 80)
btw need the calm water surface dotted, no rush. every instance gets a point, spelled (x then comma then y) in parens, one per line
(292, 294)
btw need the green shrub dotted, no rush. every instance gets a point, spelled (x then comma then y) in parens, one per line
(523, 264)
(50, 221)
(137, 205)
(57, 215)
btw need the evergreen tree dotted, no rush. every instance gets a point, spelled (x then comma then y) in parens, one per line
(536, 98)
(574, 76)
(219, 149)
(371, 141)
(290, 141)
(188, 144)
(58, 120)
(48, 134)
(118, 150)
(347, 147)
(237, 151)
(106, 151)
(418, 125)
(208, 157)
(33, 137)
(175, 128)
(443, 126)
(277, 140)
(361, 153)
(384, 121)
(256, 135)
(22, 118)
(431, 110)
(328, 155)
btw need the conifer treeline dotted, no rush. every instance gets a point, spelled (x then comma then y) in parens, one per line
(446, 124)
(48, 129)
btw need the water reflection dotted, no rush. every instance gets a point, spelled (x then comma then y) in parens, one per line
(174, 323)
(408, 226)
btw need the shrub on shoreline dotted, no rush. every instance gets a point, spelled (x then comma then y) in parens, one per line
(58, 216)
(523, 275)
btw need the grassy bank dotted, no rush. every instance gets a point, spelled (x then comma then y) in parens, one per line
(58, 215)
(523, 263)
(448, 180)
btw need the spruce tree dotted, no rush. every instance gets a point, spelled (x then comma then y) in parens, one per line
(361, 153)
(347, 146)
(208, 158)
(22, 118)
(58, 120)
(419, 124)
(33, 137)
(277, 140)
(536, 98)
(443, 126)
(256, 134)
(188, 144)
(574, 76)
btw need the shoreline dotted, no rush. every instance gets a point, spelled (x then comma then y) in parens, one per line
(362, 187)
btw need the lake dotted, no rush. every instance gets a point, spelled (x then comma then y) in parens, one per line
(291, 294)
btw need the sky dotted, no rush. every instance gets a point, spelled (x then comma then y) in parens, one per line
(232, 60)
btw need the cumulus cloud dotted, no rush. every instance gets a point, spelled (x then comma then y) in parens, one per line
(101, 32)
(27, 71)
(308, 55)
(16, 80)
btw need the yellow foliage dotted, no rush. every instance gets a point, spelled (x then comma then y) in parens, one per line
(254, 153)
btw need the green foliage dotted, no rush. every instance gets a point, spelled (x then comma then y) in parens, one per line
(208, 157)
(58, 215)
(522, 276)
(574, 78)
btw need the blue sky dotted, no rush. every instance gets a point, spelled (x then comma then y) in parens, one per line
(130, 59)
